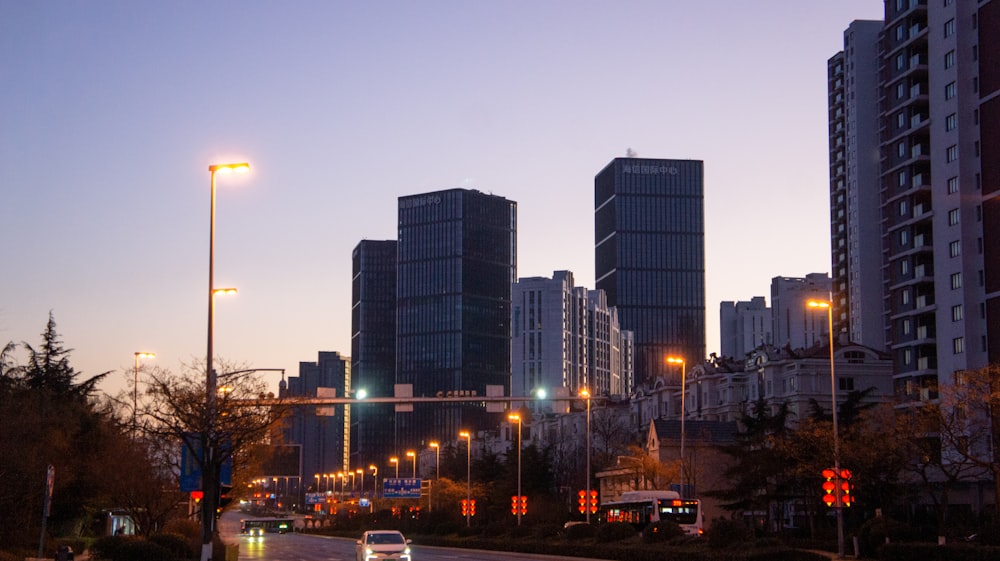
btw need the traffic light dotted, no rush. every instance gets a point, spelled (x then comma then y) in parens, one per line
(524, 504)
(581, 501)
(593, 501)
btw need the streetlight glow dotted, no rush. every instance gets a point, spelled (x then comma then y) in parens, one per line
(517, 417)
(468, 475)
(412, 454)
(678, 360)
(395, 461)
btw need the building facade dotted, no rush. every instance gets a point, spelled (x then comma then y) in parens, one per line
(323, 432)
(855, 225)
(794, 324)
(743, 326)
(456, 262)
(566, 337)
(649, 257)
(373, 350)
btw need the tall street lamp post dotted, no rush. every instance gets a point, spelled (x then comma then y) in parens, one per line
(828, 306)
(678, 360)
(437, 472)
(517, 417)
(468, 475)
(211, 464)
(135, 388)
(585, 393)
(374, 469)
(395, 461)
(413, 455)
(361, 492)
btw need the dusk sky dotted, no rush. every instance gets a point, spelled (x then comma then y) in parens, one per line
(111, 112)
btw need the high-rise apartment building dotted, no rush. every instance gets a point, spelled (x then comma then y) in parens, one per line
(793, 323)
(937, 106)
(566, 337)
(855, 228)
(457, 257)
(649, 255)
(373, 350)
(323, 432)
(744, 326)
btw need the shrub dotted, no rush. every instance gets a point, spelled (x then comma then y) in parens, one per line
(520, 531)
(580, 531)
(725, 533)
(141, 550)
(543, 531)
(872, 534)
(179, 546)
(615, 531)
(662, 531)
(468, 531)
(445, 528)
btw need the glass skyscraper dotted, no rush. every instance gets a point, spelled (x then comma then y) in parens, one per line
(456, 264)
(649, 256)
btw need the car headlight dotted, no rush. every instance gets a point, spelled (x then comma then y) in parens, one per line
(406, 551)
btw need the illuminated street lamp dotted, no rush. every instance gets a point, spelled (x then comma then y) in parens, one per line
(374, 469)
(135, 390)
(828, 306)
(585, 393)
(517, 417)
(395, 461)
(210, 476)
(437, 470)
(468, 475)
(412, 454)
(678, 360)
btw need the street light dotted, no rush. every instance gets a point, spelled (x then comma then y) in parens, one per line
(678, 360)
(395, 461)
(210, 477)
(412, 454)
(585, 393)
(135, 390)
(828, 306)
(468, 475)
(517, 417)
(437, 457)
(361, 492)
(374, 469)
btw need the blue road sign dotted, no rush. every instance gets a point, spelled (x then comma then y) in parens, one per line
(401, 488)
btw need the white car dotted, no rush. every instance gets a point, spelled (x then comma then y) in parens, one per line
(381, 545)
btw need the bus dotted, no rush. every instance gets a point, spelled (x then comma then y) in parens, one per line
(640, 508)
(260, 526)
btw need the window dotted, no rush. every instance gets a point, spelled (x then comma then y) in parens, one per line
(956, 281)
(904, 267)
(952, 154)
(950, 122)
(901, 178)
(958, 345)
(901, 149)
(949, 90)
(949, 28)
(900, 90)
(904, 238)
(954, 248)
(907, 356)
(903, 209)
(905, 327)
(949, 59)
(901, 119)
(957, 313)
(952, 185)
(904, 296)
(846, 384)
(953, 217)
(900, 61)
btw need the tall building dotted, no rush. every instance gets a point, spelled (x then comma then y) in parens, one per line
(939, 64)
(322, 431)
(743, 326)
(565, 336)
(649, 256)
(794, 324)
(855, 228)
(373, 350)
(457, 260)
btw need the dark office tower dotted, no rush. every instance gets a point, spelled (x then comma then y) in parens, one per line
(649, 254)
(373, 350)
(322, 431)
(940, 179)
(456, 263)
(855, 227)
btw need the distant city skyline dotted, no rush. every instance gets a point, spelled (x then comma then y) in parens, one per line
(114, 111)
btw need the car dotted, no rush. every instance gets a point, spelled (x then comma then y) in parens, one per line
(256, 532)
(383, 545)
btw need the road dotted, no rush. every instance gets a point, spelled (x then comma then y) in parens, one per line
(301, 547)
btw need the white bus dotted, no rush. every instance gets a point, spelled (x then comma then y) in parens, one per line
(640, 508)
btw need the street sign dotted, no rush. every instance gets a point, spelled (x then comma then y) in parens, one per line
(401, 488)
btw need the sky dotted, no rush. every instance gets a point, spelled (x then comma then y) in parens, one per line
(112, 111)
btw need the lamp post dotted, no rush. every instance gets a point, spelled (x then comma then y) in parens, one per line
(135, 389)
(361, 492)
(828, 306)
(468, 475)
(517, 417)
(437, 457)
(413, 455)
(211, 464)
(585, 393)
(374, 469)
(395, 461)
(678, 360)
